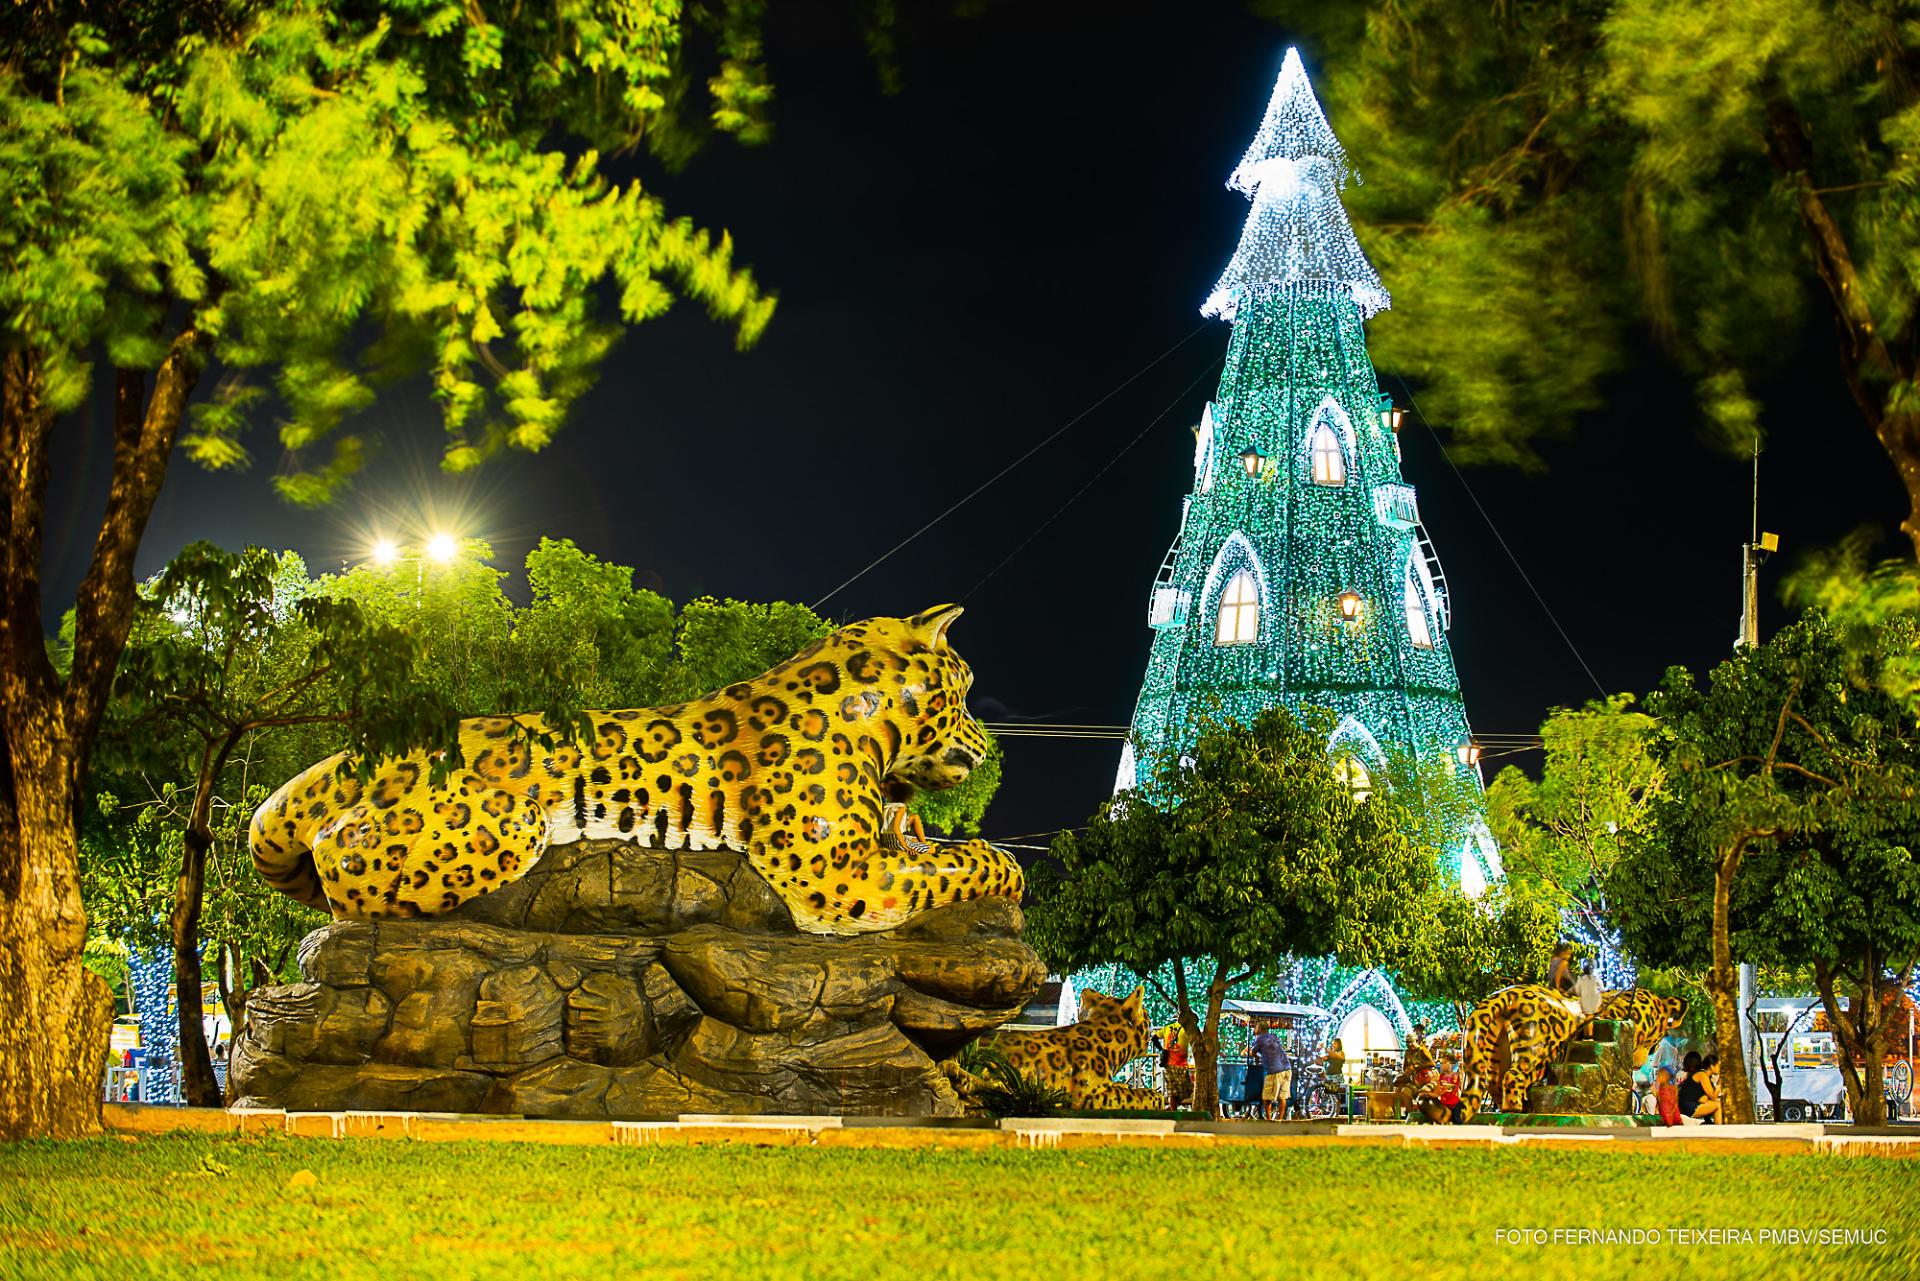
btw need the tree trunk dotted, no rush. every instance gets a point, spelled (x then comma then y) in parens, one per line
(189, 894)
(55, 1016)
(1204, 1043)
(197, 1080)
(1723, 985)
(1866, 353)
(1216, 992)
(1860, 1033)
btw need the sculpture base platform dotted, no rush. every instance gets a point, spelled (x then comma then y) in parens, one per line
(619, 982)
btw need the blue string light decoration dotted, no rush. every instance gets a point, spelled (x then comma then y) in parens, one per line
(150, 976)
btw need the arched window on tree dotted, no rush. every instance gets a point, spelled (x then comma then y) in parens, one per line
(1419, 620)
(1348, 769)
(1239, 622)
(1329, 460)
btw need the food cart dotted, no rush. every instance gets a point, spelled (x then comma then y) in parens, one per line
(1240, 1077)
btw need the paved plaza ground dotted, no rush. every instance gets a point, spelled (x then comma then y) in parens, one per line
(844, 1204)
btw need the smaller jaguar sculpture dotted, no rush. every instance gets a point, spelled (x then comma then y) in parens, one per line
(804, 771)
(1081, 1058)
(1539, 1022)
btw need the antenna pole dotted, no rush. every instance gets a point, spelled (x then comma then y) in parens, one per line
(1750, 567)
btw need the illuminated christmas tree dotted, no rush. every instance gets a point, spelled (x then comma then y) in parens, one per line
(1301, 574)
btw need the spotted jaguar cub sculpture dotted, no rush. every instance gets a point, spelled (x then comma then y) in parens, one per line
(1082, 1057)
(804, 771)
(1653, 1017)
(1539, 1022)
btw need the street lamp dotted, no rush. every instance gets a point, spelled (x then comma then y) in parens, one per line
(440, 549)
(1468, 752)
(1251, 458)
(1349, 605)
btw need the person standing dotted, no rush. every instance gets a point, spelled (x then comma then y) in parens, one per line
(1587, 988)
(1179, 1069)
(1560, 969)
(1276, 1091)
(1337, 1075)
(1446, 1088)
(1666, 1097)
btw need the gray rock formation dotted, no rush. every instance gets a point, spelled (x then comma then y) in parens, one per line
(626, 982)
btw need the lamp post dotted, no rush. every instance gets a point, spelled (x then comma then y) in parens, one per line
(1349, 602)
(1251, 458)
(1468, 752)
(440, 548)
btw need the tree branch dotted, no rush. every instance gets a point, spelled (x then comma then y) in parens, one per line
(103, 608)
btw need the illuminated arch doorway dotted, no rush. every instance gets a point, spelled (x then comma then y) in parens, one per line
(1364, 1033)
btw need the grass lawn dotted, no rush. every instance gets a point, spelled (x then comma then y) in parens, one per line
(229, 1208)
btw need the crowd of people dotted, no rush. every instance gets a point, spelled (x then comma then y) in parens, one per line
(1282, 1074)
(1279, 1070)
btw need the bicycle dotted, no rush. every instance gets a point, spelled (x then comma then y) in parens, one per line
(1319, 1096)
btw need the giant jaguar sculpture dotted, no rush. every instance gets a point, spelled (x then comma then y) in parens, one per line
(805, 771)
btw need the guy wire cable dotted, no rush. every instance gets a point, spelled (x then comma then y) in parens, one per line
(1545, 608)
(1157, 419)
(1010, 466)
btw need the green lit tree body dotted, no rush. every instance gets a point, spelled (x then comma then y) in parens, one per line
(1299, 512)
(1295, 364)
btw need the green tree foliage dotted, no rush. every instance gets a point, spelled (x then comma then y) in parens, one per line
(589, 631)
(1550, 185)
(1785, 835)
(173, 207)
(720, 642)
(1467, 948)
(226, 648)
(1266, 854)
(307, 200)
(1562, 835)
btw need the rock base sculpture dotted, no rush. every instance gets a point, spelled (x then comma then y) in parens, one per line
(618, 981)
(1592, 1074)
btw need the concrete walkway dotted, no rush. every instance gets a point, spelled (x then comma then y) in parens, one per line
(1026, 1132)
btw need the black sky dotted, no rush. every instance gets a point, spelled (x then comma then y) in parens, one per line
(965, 267)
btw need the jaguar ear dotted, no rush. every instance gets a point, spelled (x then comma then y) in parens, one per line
(1133, 1003)
(932, 624)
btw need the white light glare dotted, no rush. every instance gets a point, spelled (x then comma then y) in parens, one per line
(441, 547)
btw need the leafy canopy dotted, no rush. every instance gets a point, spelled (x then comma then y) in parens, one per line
(1828, 833)
(320, 198)
(1550, 186)
(1266, 854)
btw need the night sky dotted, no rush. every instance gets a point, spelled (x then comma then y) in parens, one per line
(965, 267)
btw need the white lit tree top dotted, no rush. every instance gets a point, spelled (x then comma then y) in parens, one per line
(1297, 239)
